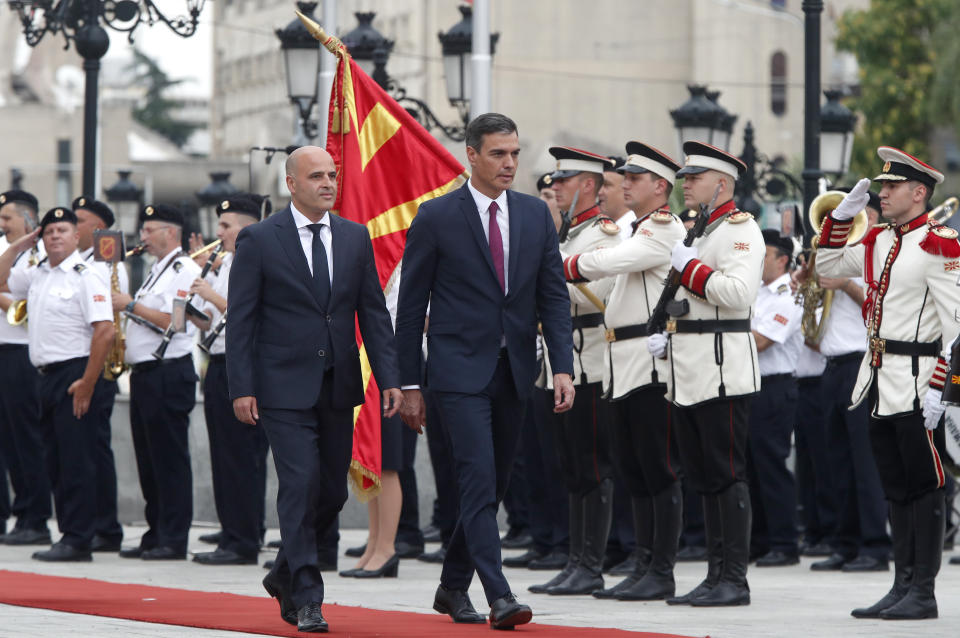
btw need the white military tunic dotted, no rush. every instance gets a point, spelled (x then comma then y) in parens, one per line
(914, 300)
(777, 317)
(169, 279)
(640, 264)
(588, 231)
(722, 284)
(63, 301)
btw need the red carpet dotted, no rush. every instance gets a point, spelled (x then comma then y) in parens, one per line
(255, 615)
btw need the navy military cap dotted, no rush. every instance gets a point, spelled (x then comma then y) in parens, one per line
(20, 196)
(545, 181)
(58, 214)
(96, 207)
(242, 204)
(161, 213)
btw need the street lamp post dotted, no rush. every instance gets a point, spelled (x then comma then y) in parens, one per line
(210, 197)
(127, 198)
(811, 108)
(702, 119)
(301, 61)
(82, 22)
(837, 123)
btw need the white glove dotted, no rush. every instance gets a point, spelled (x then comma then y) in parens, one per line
(854, 202)
(657, 345)
(932, 409)
(682, 254)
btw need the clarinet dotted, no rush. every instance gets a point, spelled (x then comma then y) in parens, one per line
(169, 332)
(207, 341)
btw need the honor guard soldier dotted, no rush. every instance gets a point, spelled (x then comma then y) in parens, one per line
(71, 330)
(776, 331)
(910, 267)
(21, 446)
(611, 198)
(713, 367)
(162, 391)
(633, 379)
(93, 215)
(582, 432)
(238, 452)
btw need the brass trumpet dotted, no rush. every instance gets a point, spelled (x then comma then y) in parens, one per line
(944, 211)
(17, 313)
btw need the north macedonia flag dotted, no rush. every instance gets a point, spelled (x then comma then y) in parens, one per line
(387, 164)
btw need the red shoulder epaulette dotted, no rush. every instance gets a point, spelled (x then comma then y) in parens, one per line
(941, 240)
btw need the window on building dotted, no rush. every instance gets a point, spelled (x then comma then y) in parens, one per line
(778, 83)
(778, 4)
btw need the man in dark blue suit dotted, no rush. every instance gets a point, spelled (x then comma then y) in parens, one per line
(298, 280)
(487, 260)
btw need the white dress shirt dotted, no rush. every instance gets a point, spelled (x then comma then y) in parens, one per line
(63, 303)
(306, 238)
(220, 283)
(626, 224)
(777, 318)
(503, 221)
(104, 270)
(845, 331)
(16, 334)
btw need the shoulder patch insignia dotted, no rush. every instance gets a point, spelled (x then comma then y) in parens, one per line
(781, 319)
(661, 218)
(741, 245)
(944, 231)
(177, 266)
(608, 226)
(79, 268)
(646, 232)
(950, 266)
(739, 217)
(782, 288)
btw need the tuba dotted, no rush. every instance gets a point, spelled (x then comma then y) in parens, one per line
(944, 211)
(809, 294)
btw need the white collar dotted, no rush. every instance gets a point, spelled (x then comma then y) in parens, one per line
(483, 202)
(68, 263)
(774, 285)
(302, 221)
(161, 263)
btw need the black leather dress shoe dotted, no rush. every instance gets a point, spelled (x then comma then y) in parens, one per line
(692, 553)
(104, 544)
(163, 553)
(777, 559)
(625, 567)
(832, 564)
(866, 564)
(63, 553)
(274, 544)
(407, 550)
(817, 549)
(456, 604)
(221, 556)
(356, 552)
(310, 618)
(132, 552)
(431, 534)
(955, 560)
(327, 565)
(507, 613)
(516, 539)
(268, 564)
(287, 611)
(550, 562)
(523, 560)
(433, 557)
(24, 536)
(213, 538)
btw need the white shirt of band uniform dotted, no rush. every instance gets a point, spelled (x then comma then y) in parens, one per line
(16, 334)
(104, 269)
(810, 363)
(63, 304)
(306, 238)
(777, 318)
(625, 222)
(219, 284)
(159, 289)
(845, 331)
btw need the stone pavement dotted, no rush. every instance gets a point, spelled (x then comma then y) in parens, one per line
(789, 602)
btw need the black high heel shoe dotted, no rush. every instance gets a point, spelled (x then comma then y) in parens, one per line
(388, 570)
(350, 573)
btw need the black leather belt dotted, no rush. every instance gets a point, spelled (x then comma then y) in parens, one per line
(701, 326)
(840, 359)
(908, 348)
(143, 366)
(780, 376)
(626, 332)
(4, 347)
(53, 367)
(218, 358)
(587, 321)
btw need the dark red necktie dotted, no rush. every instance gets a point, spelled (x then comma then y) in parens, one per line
(496, 245)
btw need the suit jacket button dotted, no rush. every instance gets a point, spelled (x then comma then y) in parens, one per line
(329, 318)
(321, 353)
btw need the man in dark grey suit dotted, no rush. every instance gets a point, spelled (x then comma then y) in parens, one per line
(298, 280)
(488, 261)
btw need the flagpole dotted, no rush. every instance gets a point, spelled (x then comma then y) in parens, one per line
(328, 70)
(480, 59)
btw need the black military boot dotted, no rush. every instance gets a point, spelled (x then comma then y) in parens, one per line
(901, 524)
(714, 540)
(642, 510)
(735, 518)
(658, 582)
(576, 547)
(929, 517)
(597, 516)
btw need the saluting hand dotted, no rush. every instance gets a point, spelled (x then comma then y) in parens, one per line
(81, 393)
(562, 392)
(413, 410)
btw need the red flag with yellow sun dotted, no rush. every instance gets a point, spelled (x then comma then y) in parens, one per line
(387, 165)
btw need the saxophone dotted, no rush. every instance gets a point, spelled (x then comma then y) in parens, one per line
(114, 365)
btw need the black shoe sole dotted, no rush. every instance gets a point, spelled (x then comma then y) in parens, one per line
(521, 617)
(442, 609)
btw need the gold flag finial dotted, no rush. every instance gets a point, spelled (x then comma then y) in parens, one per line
(332, 43)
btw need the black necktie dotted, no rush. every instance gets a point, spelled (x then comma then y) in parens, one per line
(321, 273)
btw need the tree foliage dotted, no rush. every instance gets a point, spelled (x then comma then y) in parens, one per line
(909, 74)
(156, 111)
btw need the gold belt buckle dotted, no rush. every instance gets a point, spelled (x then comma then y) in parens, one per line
(671, 326)
(610, 335)
(878, 345)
